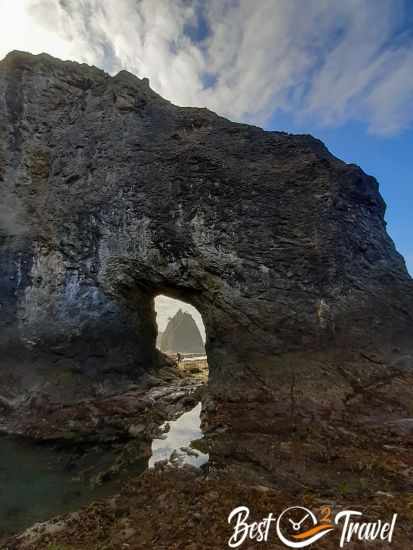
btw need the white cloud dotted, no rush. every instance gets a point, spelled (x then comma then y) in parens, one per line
(322, 61)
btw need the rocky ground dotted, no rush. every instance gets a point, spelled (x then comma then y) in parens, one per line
(176, 509)
(366, 466)
(357, 456)
(124, 423)
(137, 411)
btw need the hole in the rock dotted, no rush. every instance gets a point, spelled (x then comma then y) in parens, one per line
(181, 333)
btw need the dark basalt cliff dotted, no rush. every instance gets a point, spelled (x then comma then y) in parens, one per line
(111, 195)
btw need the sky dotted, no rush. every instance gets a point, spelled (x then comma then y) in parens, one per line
(340, 70)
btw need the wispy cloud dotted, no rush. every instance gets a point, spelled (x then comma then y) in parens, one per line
(328, 62)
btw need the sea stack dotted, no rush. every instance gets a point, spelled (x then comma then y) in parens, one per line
(182, 335)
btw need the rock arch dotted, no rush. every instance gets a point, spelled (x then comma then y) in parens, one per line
(119, 195)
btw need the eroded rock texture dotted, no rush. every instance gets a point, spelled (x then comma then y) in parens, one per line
(111, 195)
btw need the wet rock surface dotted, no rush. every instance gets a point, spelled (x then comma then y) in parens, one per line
(197, 510)
(137, 411)
(335, 458)
(65, 456)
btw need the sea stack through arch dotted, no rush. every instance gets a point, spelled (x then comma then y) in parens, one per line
(112, 195)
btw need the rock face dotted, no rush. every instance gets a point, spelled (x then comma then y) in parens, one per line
(182, 335)
(111, 195)
(159, 339)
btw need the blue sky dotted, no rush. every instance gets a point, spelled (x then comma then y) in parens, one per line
(339, 69)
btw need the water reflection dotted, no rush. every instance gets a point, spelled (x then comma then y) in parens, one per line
(181, 443)
(37, 482)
